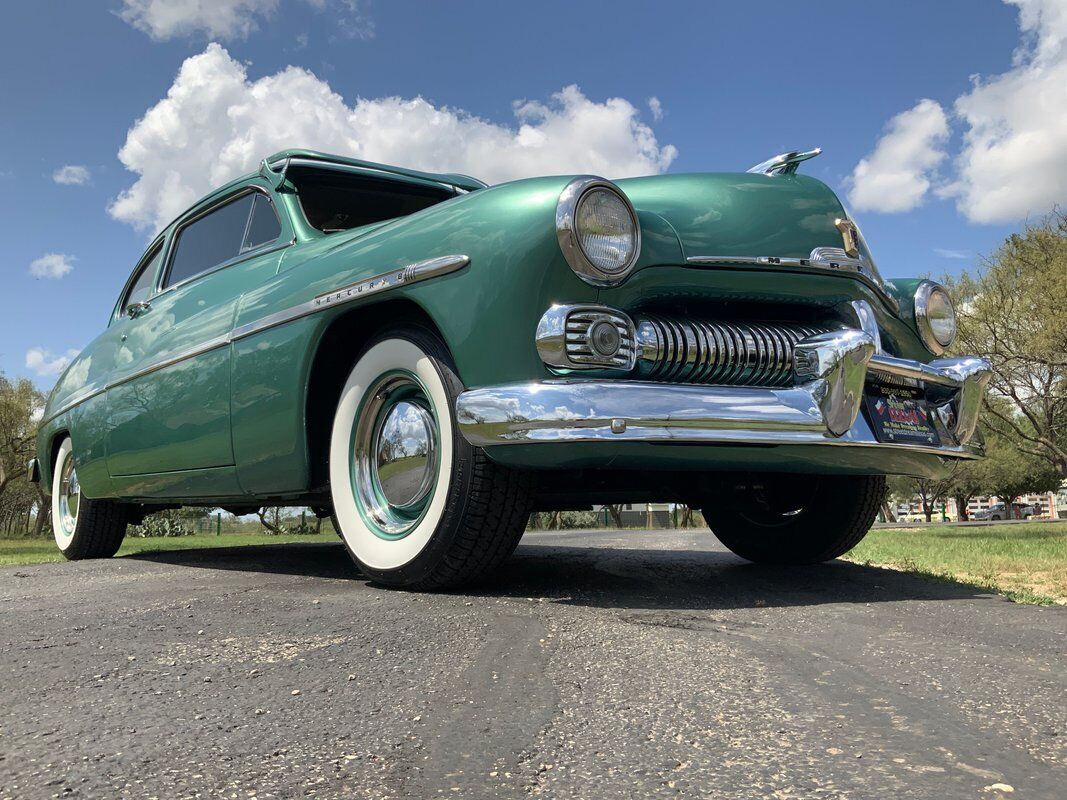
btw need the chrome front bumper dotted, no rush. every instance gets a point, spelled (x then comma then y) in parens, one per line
(823, 408)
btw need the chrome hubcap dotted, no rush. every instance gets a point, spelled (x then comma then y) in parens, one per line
(396, 459)
(69, 496)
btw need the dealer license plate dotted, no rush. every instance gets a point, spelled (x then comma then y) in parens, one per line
(901, 415)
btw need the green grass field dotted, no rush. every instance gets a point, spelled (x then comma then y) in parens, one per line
(1026, 562)
(39, 551)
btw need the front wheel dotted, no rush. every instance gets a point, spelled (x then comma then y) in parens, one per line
(801, 519)
(416, 505)
(83, 528)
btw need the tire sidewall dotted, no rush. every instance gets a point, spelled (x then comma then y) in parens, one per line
(408, 559)
(64, 539)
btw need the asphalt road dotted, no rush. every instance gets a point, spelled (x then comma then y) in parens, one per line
(594, 665)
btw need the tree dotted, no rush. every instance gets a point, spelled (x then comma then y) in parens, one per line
(905, 488)
(270, 517)
(1008, 472)
(966, 482)
(20, 410)
(1012, 312)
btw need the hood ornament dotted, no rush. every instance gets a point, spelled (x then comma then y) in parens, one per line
(784, 163)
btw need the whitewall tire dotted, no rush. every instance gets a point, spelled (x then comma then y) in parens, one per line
(83, 528)
(416, 505)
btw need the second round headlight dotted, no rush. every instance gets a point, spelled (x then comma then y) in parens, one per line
(935, 316)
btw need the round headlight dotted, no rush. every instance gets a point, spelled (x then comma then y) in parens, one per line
(606, 231)
(935, 316)
(598, 231)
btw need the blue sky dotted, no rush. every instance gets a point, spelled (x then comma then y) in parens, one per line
(734, 82)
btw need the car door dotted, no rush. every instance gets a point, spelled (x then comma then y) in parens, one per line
(169, 410)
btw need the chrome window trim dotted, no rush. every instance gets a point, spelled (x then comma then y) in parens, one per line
(120, 305)
(175, 238)
(567, 234)
(366, 287)
(922, 318)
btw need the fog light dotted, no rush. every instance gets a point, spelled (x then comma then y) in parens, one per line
(604, 339)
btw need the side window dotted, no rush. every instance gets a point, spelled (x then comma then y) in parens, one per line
(142, 284)
(263, 225)
(210, 240)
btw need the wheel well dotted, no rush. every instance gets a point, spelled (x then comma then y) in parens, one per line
(338, 349)
(53, 454)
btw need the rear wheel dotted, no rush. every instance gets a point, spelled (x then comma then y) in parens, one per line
(800, 519)
(416, 505)
(83, 528)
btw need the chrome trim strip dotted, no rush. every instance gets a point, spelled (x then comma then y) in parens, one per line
(423, 270)
(412, 273)
(916, 370)
(33, 471)
(182, 355)
(564, 411)
(821, 259)
(88, 393)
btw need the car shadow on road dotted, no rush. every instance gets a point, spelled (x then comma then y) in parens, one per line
(614, 577)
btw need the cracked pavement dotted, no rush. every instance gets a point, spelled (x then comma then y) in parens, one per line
(592, 665)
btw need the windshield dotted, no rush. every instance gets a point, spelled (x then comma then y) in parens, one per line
(333, 200)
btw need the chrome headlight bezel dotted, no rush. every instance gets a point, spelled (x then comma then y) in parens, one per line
(923, 294)
(570, 238)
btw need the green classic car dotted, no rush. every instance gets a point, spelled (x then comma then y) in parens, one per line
(429, 359)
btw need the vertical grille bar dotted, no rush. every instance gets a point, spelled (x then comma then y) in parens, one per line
(732, 353)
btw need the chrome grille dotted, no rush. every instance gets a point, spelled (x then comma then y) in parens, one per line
(737, 353)
(579, 326)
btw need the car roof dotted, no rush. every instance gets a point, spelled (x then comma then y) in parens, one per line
(450, 178)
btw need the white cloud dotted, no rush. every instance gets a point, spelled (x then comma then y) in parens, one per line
(1013, 159)
(215, 123)
(232, 19)
(1012, 162)
(656, 107)
(52, 265)
(956, 254)
(42, 362)
(220, 19)
(896, 176)
(71, 175)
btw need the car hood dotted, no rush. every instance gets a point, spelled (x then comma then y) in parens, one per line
(741, 215)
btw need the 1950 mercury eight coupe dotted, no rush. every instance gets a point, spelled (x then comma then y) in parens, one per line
(429, 359)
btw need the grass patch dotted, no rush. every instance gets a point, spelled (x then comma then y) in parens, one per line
(40, 551)
(1025, 562)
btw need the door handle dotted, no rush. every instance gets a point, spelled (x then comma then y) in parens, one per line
(135, 310)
